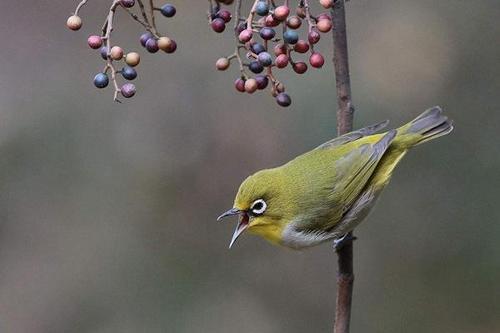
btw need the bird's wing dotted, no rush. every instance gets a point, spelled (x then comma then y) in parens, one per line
(355, 135)
(352, 173)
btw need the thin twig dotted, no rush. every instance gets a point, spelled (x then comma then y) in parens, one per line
(345, 114)
(152, 14)
(107, 39)
(146, 26)
(80, 5)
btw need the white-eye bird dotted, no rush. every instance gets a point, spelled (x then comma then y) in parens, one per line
(325, 193)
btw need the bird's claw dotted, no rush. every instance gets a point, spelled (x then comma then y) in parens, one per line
(339, 243)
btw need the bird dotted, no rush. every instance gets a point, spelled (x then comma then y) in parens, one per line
(323, 194)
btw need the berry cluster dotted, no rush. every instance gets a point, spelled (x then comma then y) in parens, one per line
(151, 40)
(266, 48)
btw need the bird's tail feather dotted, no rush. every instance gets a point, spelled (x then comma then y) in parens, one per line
(431, 124)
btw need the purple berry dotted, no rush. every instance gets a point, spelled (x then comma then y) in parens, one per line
(145, 37)
(262, 81)
(265, 59)
(225, 15)
(127, 3)
(267, 33)
(283, 99)
(128, 90)
(168, 10)
(152, 45)
(104, 52)
(218, 25)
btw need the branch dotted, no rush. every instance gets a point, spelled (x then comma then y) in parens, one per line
(345, 114)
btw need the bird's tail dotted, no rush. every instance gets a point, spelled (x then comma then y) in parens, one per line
(429, 125)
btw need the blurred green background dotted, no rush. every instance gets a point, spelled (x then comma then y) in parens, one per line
(107, 211)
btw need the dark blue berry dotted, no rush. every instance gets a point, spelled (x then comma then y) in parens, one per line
(129, 73)
(101, 80)
(168, 10)
(104, 52)
(267, 33)
(291, 36)
(262, 8)
(265, 59)
(256, 67)
(258, 48)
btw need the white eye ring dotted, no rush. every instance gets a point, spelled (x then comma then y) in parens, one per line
(261, 207)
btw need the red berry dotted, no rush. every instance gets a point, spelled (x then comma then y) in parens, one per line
(324, 25)
(326, 3)
(316, 60)
(313, 37)
(225, 15)
(324, 16)
(270, 21)
(239, 84)
(279, 49)
(281, 61)
(218, 25)
(300, 67)
(245, 35)
(301, 47)
(281, 13)
(94, 42)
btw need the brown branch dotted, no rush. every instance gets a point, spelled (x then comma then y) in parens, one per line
(345, 114)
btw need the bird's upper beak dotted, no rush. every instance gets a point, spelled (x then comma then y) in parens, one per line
(242, 223)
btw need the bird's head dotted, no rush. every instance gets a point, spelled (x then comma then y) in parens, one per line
(259, 205)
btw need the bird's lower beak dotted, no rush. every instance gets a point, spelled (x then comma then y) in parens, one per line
(242, 226)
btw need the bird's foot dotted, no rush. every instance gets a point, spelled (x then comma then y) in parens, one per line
(339, 243)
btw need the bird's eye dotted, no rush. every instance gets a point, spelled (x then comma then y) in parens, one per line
(258, 207)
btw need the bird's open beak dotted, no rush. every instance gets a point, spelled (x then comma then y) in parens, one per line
(242, 223)
(231, 212)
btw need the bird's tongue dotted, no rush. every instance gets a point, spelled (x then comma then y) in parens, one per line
(242, 225)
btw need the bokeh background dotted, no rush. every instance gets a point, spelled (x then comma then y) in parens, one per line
(107, 211)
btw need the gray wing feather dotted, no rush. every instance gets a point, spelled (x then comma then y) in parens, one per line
(355, 135)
